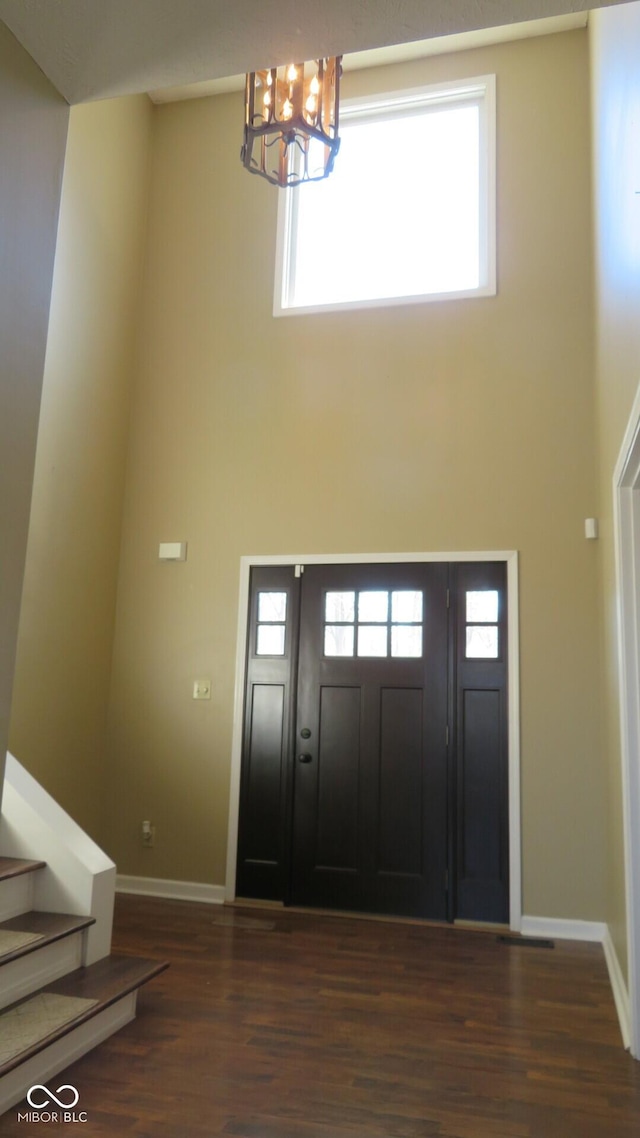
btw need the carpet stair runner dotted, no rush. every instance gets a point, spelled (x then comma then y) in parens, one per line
(54, 1009)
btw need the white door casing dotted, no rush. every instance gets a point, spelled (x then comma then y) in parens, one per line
(626, 506)
(511, 559)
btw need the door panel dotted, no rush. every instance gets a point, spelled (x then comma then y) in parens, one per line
(265, 790)
(374, 790)
(479, 769)
(400, 805)
(337, 776)
(264, 772)
(481, 725)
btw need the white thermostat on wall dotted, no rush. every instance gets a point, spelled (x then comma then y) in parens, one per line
(172, 551)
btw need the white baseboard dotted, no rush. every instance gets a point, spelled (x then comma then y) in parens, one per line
(564, 930)
(173, 890)
(594, 931)
(619, 988)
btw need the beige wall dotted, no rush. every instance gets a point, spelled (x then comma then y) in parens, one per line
(447, 426)
(615, 51)
(66, 625)
(33, 126)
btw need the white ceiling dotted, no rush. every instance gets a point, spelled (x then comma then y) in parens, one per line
(398, 53)
(93, 49)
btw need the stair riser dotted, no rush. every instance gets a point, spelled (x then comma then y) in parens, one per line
(25, 975)
(16, 896)
(48, 1063)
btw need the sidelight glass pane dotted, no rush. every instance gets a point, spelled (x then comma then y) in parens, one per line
(338, 639)
(339, 606)
(482, 606)
(272, 606)
(406, 606)
(373, 606)
(406, 640)
(372, 640)
(270, 640)
(482, 642)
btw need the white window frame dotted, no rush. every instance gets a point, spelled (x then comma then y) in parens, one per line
(481, 91)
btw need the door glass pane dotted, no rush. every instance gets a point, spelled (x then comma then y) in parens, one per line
(372, 640)
(338, 639)
(482, 642)
(406, 606)
(339, 606)
(373, 607)
(270, 640)
(272, 606)
(482, 606)
(406, 640)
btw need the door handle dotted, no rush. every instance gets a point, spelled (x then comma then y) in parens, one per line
(305, 758)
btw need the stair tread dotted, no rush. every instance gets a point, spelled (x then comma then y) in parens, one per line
(49, 927)
(14, 866)
(106, 982)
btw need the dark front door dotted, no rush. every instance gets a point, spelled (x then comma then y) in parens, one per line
(370, 782)
(374, 771)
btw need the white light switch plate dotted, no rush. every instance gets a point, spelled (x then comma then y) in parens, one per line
(202, 689)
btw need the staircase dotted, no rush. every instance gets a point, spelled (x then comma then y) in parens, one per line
(62, 991)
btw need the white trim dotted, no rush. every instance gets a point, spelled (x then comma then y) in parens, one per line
(597, 932)
(564, 930)
(626, 523)
(511, 559)
(618, 987)
(475, 90)
(513, 689)
(172, 890)
(78, 876)
(16, 895)
(36, 969)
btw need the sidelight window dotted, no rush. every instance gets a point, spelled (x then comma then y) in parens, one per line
(271, 624)
(481, 626)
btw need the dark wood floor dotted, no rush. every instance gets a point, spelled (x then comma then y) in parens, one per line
(287, 1025)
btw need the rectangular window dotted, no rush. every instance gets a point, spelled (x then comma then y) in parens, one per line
(482, 625)
(271, 624)
(362, 626)
(408, 213)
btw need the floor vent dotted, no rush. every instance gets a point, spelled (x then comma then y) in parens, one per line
(233, 921)
(526, 941)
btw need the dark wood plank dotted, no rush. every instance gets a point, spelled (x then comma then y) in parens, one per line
(49, 926)
(312, 1026)
(15, 866)
(109, 979)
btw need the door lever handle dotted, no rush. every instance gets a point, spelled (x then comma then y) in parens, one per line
(305, 758)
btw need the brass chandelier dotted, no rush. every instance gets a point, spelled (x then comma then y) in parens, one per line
(291, 121)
